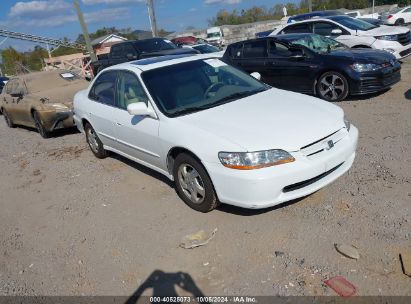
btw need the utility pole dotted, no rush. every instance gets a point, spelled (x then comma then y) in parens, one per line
(310, 6)
(152, 16)
(85, 31)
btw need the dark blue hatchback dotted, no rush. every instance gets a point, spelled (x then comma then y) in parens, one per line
(315, 64)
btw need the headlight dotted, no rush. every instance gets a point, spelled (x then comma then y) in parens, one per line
(387, 37)
(254, 160)
(365, 67)
(347, 123)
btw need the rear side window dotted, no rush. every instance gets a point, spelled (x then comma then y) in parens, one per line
(117, 51)
(297, 28)
(255, 49)
(129, 49)
(103, 89)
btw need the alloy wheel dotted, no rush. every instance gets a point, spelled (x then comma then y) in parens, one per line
(92, 140)
(191, 183)
(331, 87)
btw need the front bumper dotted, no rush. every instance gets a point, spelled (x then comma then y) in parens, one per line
(394, 47)
(54, 120)
(372, 82)
(271, 186)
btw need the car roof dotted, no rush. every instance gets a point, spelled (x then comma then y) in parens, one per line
(161, 61)
(317, 13)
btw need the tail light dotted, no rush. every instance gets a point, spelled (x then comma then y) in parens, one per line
(389, 16)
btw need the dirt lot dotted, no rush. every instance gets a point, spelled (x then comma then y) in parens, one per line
(71, 224)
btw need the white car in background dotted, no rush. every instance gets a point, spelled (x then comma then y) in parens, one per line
(357, 14)
(399, 16)
(355, 33)
(220, 134)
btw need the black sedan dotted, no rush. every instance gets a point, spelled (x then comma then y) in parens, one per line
(315, 64)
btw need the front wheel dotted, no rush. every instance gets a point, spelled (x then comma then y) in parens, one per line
(8, 119)
(39, 125)
(332, 86)
(399, 22)
(95, 144)
(193, 184)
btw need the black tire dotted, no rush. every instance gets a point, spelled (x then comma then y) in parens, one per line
(207, 200)
(399, 22)
(8, 119)
(332, 86)
(95, 144)
(39, 125)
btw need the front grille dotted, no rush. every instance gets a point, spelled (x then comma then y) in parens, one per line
(321, 145)
(374, 82)
(405, 53)
(310, 181)
(404, 39)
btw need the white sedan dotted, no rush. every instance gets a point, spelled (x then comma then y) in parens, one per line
(220, 134)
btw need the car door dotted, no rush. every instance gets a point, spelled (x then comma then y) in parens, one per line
(406, 14)
(21, 107)
(288, 68)
(100, 110)
(9, 99)
(137, 136)
(252, 57)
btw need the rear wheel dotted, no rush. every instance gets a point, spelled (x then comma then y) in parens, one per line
(399, 22)
(8, 119)
(39, 125)
(332, 86)
(95, 144)
(193, 184)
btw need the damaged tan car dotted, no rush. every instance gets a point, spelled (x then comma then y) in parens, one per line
(41, 100)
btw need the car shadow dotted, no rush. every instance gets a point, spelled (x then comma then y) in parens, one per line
(407, 94)
(143, 169)
(365, 96)
(164, 284)
(251, 212)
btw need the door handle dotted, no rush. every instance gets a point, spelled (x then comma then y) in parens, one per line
(118, 124)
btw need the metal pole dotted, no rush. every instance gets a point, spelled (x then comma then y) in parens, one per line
(152, 17)
(373, 6)
(310, 6)
(85, 31)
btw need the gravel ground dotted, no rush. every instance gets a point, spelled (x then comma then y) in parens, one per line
(75, 225)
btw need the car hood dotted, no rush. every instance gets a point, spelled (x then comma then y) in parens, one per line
(364, 55)
(385, 30)
(273, 119)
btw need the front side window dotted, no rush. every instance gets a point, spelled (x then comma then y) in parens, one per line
(255, 49)
(324, 28)
(130, 90)
(103, 89)
(278, 50)
(236, 50)
(197, 85)
(129, 49)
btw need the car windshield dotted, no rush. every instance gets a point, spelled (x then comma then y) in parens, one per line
(154, 45)
(396, 10)
(212, 35)
(205, 48)
(193, 86)
(320, 44)
(353, 24)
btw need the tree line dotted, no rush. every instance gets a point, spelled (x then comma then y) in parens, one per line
(260, 13)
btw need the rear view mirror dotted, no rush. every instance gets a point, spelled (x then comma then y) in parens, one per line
(140, 109)
(256, 75)
(336, 32)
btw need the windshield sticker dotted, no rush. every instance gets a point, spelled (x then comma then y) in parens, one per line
(215, 63)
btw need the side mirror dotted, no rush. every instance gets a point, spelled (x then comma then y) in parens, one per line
(256, 75)
(140, 109)
(336, 32)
